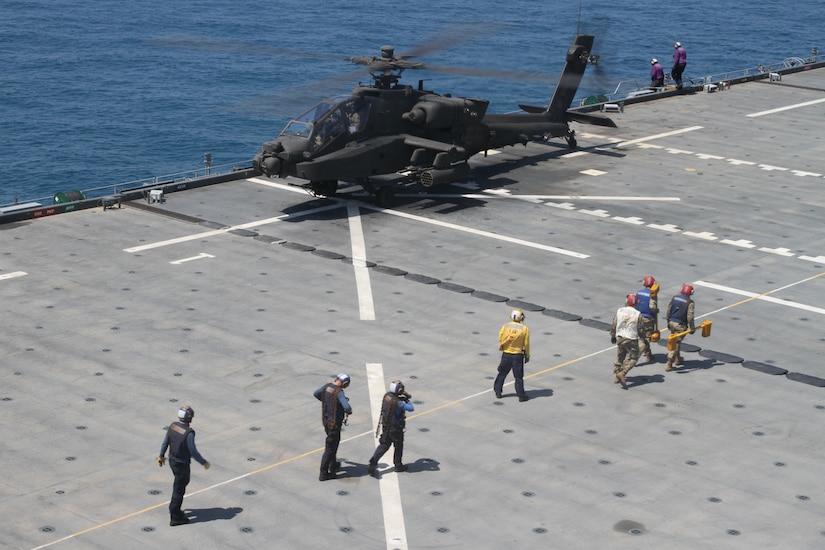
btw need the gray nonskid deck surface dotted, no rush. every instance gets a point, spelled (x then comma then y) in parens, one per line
(113, 319)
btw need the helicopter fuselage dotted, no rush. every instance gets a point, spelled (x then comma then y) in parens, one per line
(390, 128)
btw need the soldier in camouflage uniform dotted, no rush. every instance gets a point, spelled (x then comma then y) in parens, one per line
(625, 333)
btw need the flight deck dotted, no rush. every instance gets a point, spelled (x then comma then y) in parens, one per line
(241, 298)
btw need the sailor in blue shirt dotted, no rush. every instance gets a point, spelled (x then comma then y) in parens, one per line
(180, 440)
(648, 306)
(334, 408)
(679, 319)
(391, 425)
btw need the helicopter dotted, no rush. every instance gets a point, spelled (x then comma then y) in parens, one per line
(390, 128)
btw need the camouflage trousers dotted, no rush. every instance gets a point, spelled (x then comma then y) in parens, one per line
(647, 329)
(627, 354)
(675, 356)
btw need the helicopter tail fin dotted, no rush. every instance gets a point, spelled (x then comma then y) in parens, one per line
(577, 59)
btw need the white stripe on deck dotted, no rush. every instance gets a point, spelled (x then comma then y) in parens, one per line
(786, 108)
(225, 230)
(478, 232)
(764, 296)
(657, 136)
(366, 305)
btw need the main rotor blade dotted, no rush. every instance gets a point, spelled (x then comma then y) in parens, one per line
(454, 35)
(529, 76)
(199, 43)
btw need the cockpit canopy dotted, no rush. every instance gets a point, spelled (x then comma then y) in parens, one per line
(329, 119)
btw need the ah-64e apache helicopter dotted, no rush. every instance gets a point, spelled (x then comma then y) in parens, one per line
(390, 128)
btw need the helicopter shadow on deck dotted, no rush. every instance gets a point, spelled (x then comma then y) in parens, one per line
(556, 151)
(409, 198)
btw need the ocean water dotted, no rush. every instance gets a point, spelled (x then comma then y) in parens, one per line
(100, 92)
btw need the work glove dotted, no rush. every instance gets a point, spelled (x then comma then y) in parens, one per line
(206, 465)
(612, 339)
(161, 460)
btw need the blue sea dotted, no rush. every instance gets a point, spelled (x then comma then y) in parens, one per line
(100, 92)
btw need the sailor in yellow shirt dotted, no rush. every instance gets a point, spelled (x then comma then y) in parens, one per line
(514, 343)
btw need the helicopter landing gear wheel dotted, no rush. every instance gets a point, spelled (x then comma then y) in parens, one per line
(571, 139)
(385, 196)
(324, 188)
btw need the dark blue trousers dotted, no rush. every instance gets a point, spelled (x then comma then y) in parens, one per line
(514, 362)
(181, 471)
(331, 448)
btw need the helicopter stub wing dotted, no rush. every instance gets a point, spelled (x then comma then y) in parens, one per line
(433, 145)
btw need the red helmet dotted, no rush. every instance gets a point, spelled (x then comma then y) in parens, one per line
(687, 289)
(648, 281)
(632, 300)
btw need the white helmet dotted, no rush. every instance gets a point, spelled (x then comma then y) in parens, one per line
(677, 45)
(654, 61)
(186, 414)
(397, 387)
(517, 315)
(344, 378)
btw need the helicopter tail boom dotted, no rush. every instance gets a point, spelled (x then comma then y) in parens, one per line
(577, 59)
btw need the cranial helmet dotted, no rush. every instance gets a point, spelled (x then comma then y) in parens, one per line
(186, 414)
(687, 289)
(632, 300)
(654, 61)
(517, 315)
(648, 281)
(344, 378)
(397, 387)
(677, 45)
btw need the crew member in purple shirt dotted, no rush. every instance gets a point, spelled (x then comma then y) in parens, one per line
(679, 62)
(657, 74)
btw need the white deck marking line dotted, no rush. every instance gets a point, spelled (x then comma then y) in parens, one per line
(198, 257)
(12, 275)
(498, 194)
(248, 225)
(786, 108)
(366, 306)
(477, 232)
(282, 186)
(657, 136)
(394, 528)
(764, 296)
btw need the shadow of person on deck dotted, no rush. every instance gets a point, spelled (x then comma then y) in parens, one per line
(201, 515)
